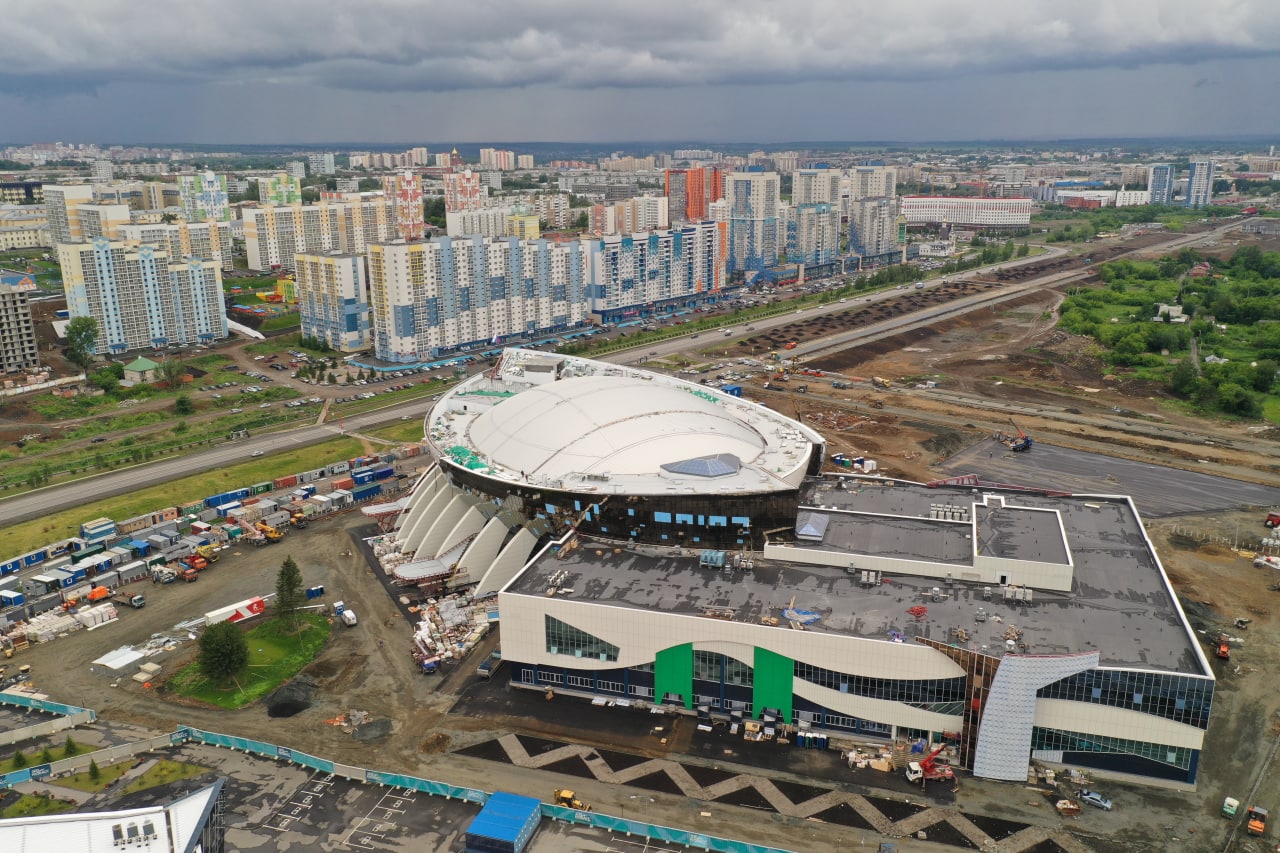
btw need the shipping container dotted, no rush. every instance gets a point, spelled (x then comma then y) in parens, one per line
(132, 525)
(338, 468)
(343, 483)
(191, 509)
(361, 477)
(323, 487)
(280, 518)
(130, 572)
(170, 513)
(383, 473)
(260, 488)
(11, 598)
(340, 498)
(506, 824)
(225, 509)
(286, 482)
(10, 567)
(369, 490)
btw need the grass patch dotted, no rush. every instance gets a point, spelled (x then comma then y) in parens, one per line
(19, 538)
(33, 806)
(287, 320)
(163, 772)
(408, 432)
(276, 654)
(1271, 409)
(106, 775)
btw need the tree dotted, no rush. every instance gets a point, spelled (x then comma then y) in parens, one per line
(82, 334)
(19, 760)
(183, 405)
(582, 221)
(70, 748)
(223, 651)
(172, 371)
(1182, 379)
(95, 773)
(289, 594)
(46, 755)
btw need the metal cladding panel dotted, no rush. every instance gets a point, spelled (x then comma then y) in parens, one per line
(1004, 738)
(773, 682)
(673, 673)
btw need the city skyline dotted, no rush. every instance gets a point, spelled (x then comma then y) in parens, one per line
(713, 72)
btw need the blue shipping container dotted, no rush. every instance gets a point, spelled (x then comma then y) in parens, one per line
(384, 472)
(506, 823)
(11, 598)
(361, 478)
(368, 490)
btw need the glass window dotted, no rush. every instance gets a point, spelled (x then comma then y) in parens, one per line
(1065, 741)
(564, 639)
(663, 517)
(1183, 698)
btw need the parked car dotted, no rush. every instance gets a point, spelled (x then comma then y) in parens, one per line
(1095, 799)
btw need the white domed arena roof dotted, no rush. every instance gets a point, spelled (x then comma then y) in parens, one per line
(620, 426)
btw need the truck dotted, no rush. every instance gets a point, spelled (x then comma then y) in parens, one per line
(490, 665)
(163, 576)
(881, 382)
(1273, 519)
(137, 602)
(209, 552)
(195, 561)
(347, 616)
(189, 574)
(1257, 820)
(272, 534)
(929, 769)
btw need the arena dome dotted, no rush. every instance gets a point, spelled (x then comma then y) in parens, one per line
(619, 426)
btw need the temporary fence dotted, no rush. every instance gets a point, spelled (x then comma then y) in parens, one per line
(188, 734)
(69, 716)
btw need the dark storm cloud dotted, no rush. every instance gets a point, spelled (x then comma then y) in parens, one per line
(415, 46)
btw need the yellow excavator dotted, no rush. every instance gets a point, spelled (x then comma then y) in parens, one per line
(566, 798)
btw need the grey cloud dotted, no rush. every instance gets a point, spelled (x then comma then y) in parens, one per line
(457, 45)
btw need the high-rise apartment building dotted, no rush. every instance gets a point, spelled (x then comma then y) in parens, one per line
(102, 170)
(873, 227)
(429, 297)
(140, 297)
(209, 241)
(524, 161)
(1160, 181)
(18, 349)
(464, 191)
(753, 220)
(321, 162)
(405, 189)
(204, 196)
(523, 223)
(484, 222)
(1200, 183)
(494, 158)
(689, 191)
(816, 186)
(296, 169)
(813, 233)
(61, 203)
(279, 189)
(630, 273)
(640, 214)
(873, 182)
(552, 209)
(273, 236)
(333, 299)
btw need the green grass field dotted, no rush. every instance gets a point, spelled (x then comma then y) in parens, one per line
(162, 773)
(106, 775)
(409, 431)
(31, 806)
(18, 538)
(276, 654)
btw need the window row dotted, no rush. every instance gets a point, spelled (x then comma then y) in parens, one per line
(712, 666)
(1063, 741)
(1174, 697)
(920, 692)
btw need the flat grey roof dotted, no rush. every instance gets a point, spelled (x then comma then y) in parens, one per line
(1119, 605)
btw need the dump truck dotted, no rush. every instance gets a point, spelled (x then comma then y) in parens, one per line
(1257, 820)
(195, 561)
(568, 799)
(137, 602)
(189, 574)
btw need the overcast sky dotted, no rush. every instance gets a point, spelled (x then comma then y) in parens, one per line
(312, 71)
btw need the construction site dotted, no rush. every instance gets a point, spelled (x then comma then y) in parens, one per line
(950, 402)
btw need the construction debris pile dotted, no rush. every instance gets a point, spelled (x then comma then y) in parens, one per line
(835, 420)
(450, 627)
(351, 720)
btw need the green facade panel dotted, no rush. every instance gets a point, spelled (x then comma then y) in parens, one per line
(673, 673)
(774, 682)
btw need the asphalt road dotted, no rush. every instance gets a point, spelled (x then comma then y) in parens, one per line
(56, 498)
